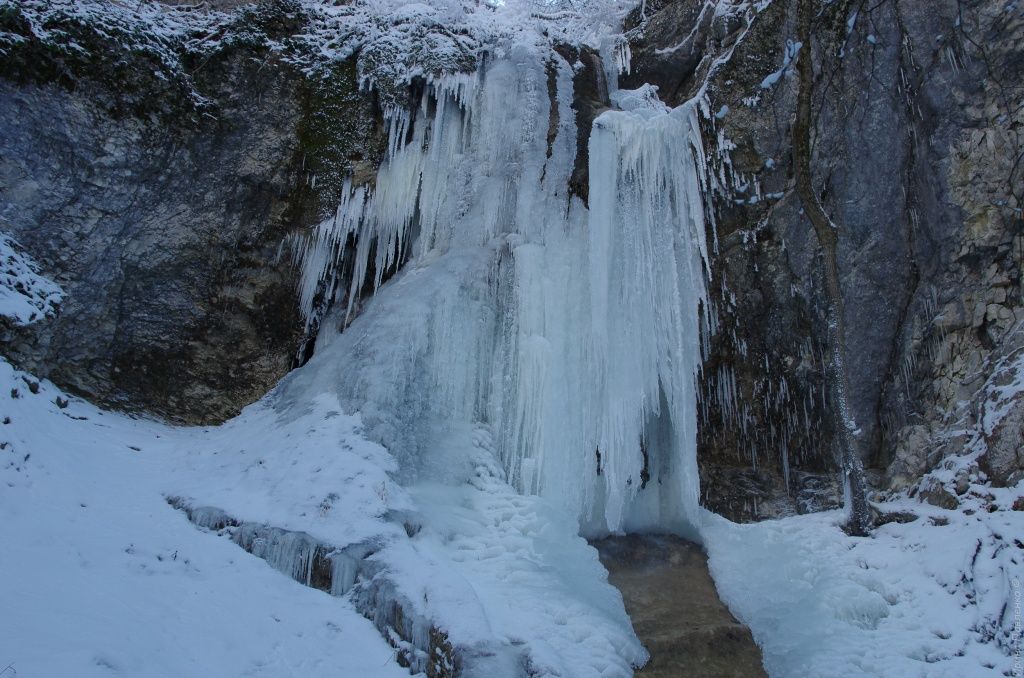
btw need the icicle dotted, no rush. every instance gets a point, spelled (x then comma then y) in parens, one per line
(572, 335)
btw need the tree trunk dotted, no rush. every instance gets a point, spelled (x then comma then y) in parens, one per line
(828, 237)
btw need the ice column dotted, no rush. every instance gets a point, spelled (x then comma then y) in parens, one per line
(648, 262)
(600, 406)
(572, 334)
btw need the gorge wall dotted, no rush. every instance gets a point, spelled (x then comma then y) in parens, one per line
(917, 155)
(171, 238)
(156, 180)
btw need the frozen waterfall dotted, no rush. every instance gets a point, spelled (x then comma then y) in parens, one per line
(568, 338)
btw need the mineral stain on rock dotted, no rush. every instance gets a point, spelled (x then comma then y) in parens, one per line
(676, 611)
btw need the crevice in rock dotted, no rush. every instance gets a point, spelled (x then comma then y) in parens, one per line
(878, 450)
(590, 99)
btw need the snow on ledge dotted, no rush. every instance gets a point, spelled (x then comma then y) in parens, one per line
(25, 295)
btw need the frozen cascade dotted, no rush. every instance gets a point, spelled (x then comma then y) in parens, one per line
(571, 335)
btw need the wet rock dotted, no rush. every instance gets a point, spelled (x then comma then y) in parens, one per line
(590, 99)
(963, 483)
(884, 518)
(920, 180)
(675, 609)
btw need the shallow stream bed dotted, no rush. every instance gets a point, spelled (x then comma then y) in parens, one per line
(676, 611)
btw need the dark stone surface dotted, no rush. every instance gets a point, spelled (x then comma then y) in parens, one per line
(917, 157)
(590, 99)
(168, 226)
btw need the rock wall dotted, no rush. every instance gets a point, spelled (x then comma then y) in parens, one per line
(159, 183)
(917, 146)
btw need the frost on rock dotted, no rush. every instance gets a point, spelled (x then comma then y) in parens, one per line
(394, 43)
(789, 56)
(397, 41)
(1001, 390)
(25, 295)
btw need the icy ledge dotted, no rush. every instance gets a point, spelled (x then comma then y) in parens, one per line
(419, 644)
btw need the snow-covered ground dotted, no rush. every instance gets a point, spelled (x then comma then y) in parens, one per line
(100, 576)
(940, 595)
(933, 592)
(924, 599)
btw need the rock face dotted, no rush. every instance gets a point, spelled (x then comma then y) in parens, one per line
(917, 147)
(999, 432)
(164, 206)
(163, 182)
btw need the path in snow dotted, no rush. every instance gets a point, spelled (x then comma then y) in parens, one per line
(676, 610)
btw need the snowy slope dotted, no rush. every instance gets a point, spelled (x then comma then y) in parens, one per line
(99, 576)
(923, 599)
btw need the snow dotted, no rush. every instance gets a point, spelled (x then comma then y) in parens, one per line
(488, 367)
(98, 563)
(397, 41)
(937, 596)
(1001, 390)
(101, 576)
(86, 521)
(25, 295)
(789, 56)
(393, 42)
(530, 338)
(918, 599)
(528, 376)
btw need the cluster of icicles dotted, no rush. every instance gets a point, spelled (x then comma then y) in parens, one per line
(571, 334)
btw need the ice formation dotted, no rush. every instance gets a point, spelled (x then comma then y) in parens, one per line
(570, 335)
